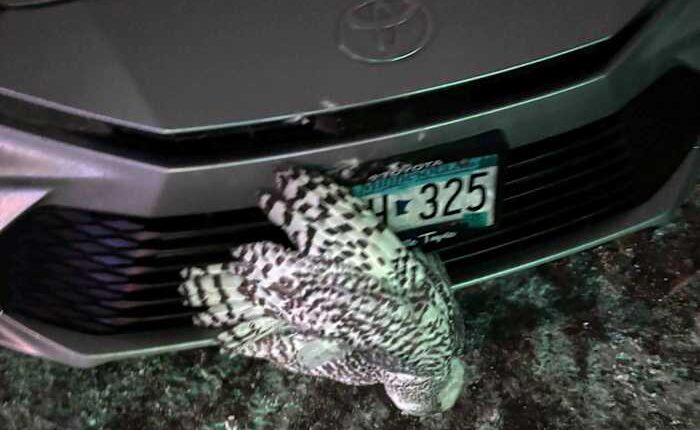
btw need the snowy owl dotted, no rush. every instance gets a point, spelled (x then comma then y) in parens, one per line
(350, 302)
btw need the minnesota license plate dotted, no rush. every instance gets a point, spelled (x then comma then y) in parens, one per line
(432, 197)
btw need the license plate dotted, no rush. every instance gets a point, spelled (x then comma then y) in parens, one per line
(432, 197)
(461, 192)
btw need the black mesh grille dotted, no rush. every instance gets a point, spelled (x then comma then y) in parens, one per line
(555, 184)
(101, 273)
(108, 273)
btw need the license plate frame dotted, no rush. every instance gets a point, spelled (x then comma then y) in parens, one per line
(446, 161)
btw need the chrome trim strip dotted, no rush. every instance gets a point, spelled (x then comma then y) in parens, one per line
(14, 202)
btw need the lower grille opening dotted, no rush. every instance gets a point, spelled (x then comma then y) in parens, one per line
(105, 273)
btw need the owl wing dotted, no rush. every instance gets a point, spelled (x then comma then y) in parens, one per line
(330, 301)
(315, 295)
(300, 353)
(318, 312)
(351, 283)
(322, 218)
(229, 301)
(226, 300)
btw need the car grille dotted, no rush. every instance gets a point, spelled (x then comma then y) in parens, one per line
(101, 272)
(105, 273)
(555, 184)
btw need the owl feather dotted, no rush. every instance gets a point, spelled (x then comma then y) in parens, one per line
(349, 302)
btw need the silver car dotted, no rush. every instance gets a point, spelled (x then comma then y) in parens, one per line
(500, 134)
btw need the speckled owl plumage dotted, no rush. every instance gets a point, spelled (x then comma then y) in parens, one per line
(350, 303)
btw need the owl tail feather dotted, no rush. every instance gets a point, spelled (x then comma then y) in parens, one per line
(223, 297)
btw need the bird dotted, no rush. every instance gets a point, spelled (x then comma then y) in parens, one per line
(347, 301)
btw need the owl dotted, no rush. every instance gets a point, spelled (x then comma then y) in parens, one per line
(348, 302)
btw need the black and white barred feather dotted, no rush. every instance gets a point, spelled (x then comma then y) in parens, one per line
(350, 302)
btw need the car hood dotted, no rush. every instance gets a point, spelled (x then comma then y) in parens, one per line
(176, 65)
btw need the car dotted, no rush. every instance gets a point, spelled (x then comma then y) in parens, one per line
(134, 137)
